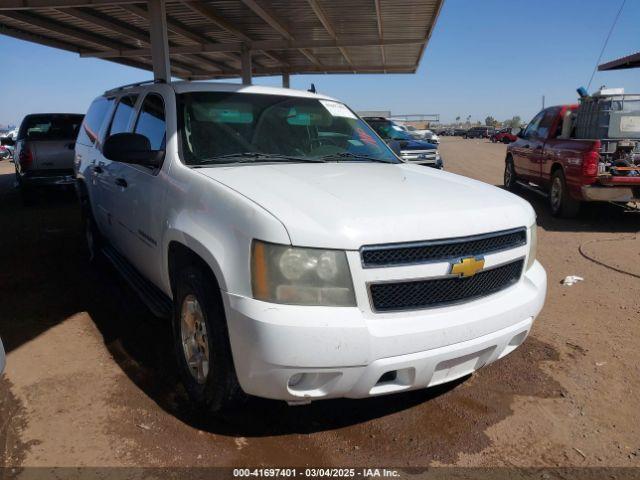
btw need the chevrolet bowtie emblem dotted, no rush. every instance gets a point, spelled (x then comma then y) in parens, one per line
(467, 267)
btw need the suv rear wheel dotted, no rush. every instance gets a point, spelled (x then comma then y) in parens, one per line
(561, 202)
(202, 342)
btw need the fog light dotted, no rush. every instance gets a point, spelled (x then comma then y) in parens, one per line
(295, 379)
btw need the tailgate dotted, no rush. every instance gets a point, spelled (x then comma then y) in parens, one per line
(52, 154)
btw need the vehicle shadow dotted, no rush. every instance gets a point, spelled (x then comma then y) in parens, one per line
(142, 346)
(595, 217)
(46, 279)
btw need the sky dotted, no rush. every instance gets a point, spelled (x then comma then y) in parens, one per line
(489, 57)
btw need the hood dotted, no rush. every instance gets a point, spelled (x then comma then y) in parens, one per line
(348, 205)
(416, 145)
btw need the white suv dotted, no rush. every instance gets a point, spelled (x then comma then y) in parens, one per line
(298, 257)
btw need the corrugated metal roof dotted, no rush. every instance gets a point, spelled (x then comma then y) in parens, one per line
(630, 61)
(206, 37)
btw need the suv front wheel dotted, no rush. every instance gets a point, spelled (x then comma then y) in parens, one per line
(202, 342)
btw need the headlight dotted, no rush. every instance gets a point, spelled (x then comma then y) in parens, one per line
(300, 276)
(533, 245)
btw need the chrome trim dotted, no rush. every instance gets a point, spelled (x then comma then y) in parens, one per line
(441, 277)
(443, 241)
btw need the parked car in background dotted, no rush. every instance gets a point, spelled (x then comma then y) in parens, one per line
(557, 153)
(459, 132)
(411, 150)
(5, 151)
(44, 149)
(504, 136)
(479, 132)
(421, 134)
(297, 257)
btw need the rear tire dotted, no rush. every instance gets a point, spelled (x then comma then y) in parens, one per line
(510, 178)
(201, 342)
(560, 201)
(92, 235)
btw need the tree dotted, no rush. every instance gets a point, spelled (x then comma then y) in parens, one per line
(513, 122)
(458, 119)
(490, 121)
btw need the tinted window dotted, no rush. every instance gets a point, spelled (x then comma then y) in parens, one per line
(93, 121)
(547, 122)
(123, 115)
(50, 127)
(151, 122)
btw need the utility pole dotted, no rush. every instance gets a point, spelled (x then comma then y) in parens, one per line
(542, 102)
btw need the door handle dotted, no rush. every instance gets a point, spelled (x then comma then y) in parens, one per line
(97, 169)
(121, 182)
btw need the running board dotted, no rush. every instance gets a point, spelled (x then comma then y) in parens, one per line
(532, 188)
(155, 300)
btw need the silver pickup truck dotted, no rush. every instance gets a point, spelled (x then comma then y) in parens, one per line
(44, 151)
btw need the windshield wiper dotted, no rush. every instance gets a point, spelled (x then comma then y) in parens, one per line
(251, 157)
(348, 156)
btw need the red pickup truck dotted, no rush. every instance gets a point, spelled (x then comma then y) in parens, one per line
(547, 156)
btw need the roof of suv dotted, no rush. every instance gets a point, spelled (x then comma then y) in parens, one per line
(184, 87)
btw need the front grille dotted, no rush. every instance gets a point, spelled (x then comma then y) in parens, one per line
(416, 294)
(419, 155)
(441, 250)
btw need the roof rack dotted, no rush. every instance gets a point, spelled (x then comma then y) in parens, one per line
(131, 85)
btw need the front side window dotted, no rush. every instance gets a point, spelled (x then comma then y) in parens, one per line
(224, 127)
(151, 121)
(123, 115)
(532, 128)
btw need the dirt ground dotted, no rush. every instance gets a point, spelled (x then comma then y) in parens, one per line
(90, 379)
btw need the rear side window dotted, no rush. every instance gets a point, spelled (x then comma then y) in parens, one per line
(93, 121)
(151, 122)
(50, 127)
(547, 122)
(123, 115)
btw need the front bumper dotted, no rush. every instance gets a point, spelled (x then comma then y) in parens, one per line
(348, 352)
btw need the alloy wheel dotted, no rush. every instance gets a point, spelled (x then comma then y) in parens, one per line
(193, 332)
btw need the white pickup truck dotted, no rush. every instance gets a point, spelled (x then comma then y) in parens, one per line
(298, 257)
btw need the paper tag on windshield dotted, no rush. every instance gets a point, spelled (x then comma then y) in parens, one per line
(337, 109)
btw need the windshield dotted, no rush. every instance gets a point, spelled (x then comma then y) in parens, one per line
(389, 131)
(229, 127)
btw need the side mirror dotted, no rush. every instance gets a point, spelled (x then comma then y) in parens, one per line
(7, 141)
(395, 146)
(132, 148)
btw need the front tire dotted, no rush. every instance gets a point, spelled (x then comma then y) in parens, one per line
(560, 201)
(202, 343)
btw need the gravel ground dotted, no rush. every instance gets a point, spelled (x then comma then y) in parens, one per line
(90, 380)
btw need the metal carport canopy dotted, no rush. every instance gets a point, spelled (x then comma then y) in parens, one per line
(210, 39)
(630, 61)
